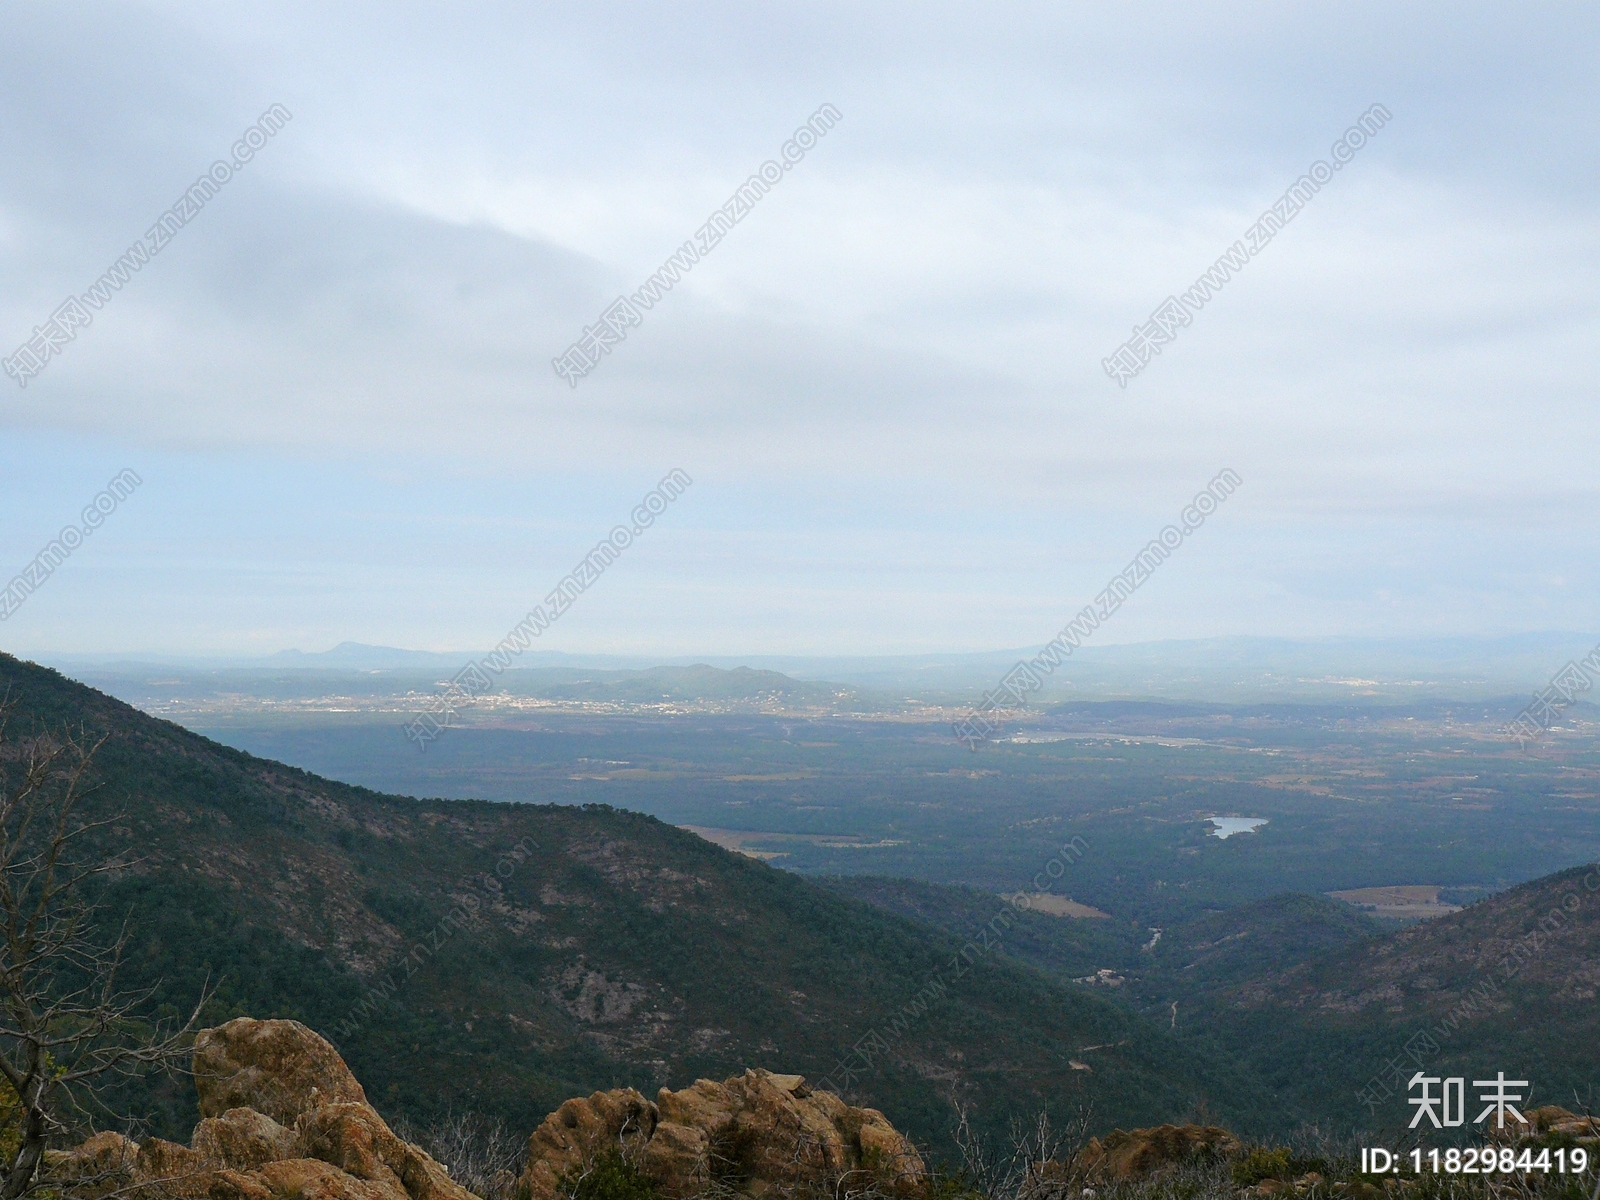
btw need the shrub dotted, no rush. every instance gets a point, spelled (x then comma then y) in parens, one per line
(608, 1177)
(1262, 1163)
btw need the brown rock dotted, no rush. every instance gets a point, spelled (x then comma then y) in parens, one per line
(109, 1164)
(279, 1068)
(425, 1179)
(237, 1185)
(679, 1152)
(883, 1146)
(1131, 1154)
(313, 1179)
(748, 1133)
(354, 1138)
(1552, 1118)
(253, 1077)
(707, 1106)
(171, 1170)
(105, 1163)
(581, 1129)
(243, 1139)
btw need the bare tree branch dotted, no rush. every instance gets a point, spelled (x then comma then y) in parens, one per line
(67, 1030)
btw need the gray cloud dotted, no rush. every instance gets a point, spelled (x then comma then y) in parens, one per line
(896, 354)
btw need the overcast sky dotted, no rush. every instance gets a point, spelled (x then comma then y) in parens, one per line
(335, 380)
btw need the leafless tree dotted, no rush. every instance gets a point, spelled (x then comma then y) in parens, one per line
(480, 1152)
(67, 1031)
(1037, 1163)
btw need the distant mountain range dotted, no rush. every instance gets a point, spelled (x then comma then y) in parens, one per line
(185, 691)
(1230, 670)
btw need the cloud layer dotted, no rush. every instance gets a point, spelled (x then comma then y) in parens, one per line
(886, 381)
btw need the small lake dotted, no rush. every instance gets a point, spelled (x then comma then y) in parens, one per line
(1228, 826)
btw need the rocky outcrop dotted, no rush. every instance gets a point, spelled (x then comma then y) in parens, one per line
(279, 1068)
(1551, 1119)
(748, 1133)
(243, 1139)
(583, 1128)
(1137, 1153)
(284, 1119)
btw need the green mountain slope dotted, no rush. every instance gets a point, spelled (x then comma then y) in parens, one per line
(1223, 950)
(1067, 947)
(502, 957)
(1506, 984)
(1331, 1011)
(1211, 954)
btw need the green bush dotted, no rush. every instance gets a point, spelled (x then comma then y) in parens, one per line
(608, 1177)
(1260, 1164)
(1275, 1162)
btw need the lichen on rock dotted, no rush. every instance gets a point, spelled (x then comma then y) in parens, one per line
(283, 1119)
(279, 1068)
(746, 1134)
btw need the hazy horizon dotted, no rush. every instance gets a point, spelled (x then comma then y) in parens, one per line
(1236, 670)
(358, 648)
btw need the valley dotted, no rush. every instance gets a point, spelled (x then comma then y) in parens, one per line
(626, 901)
(1352, 797)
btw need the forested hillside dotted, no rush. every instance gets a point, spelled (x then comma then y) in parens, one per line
(1329, 1008)
(502, 957)
(1508, 983)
